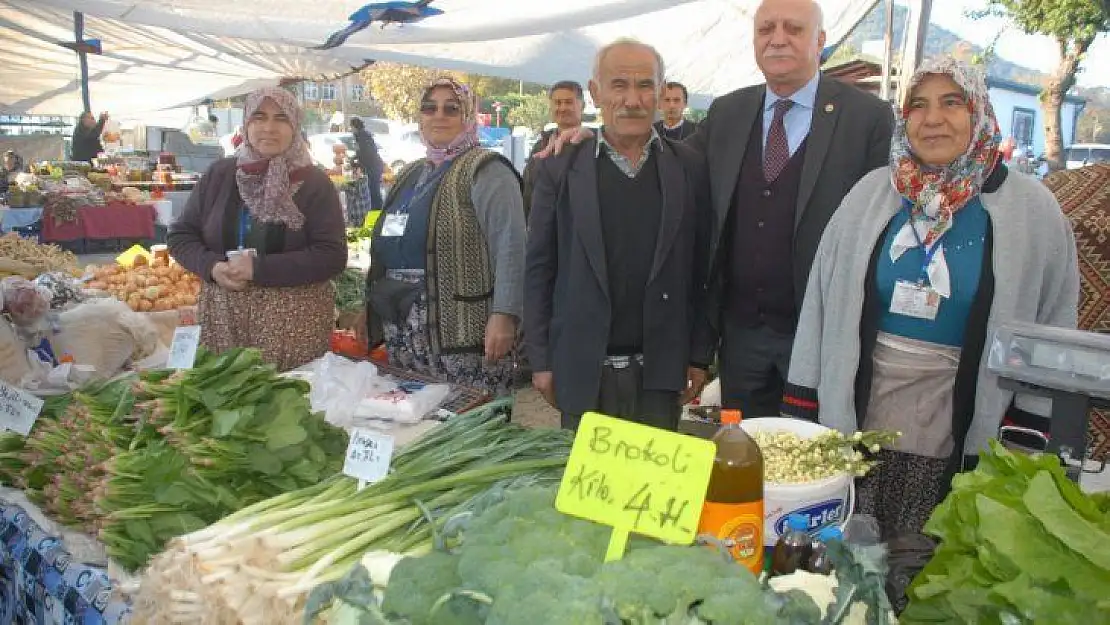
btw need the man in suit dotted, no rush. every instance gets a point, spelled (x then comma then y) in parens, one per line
(781, 155)
(673, 106)
(617, 237)
(567, 104)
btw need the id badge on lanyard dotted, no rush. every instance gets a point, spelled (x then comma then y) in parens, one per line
(918, 299)
(394, 224)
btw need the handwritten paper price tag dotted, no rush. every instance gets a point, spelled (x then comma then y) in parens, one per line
(183, 349)
(18, 409)
(368, 455)
(637, 479)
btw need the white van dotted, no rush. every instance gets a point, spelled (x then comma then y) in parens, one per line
(1083, 154)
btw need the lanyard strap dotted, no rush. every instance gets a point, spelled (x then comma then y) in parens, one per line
(923, 278)
(244, 227)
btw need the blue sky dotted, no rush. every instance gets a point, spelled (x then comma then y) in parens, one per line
(1032, 51)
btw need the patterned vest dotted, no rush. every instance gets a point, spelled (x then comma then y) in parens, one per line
(459, 272)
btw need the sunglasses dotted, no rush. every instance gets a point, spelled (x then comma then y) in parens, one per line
(450, 109)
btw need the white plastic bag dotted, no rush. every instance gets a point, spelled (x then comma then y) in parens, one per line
(338, 384)
(408, 403)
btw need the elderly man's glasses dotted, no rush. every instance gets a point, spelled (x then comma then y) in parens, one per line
(450, 109)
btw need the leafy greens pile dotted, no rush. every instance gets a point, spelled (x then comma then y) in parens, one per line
(146, 458)
(1020, 543)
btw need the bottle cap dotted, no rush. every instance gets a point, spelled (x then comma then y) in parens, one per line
(829, 534)
(797, 522)
(731, 417)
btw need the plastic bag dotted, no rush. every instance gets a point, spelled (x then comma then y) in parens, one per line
(24, 301)
(862, 529)
(14, 364)
(339, 384)
(907, 555)
(104, 334)
(408, 403)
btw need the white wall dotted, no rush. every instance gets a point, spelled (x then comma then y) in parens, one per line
(1005, 101)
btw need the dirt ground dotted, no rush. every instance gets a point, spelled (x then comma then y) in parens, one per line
(531, 410)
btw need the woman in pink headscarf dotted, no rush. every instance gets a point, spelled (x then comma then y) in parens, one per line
(445, 291)
(265, 231)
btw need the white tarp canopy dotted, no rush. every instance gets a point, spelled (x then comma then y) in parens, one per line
(162, 53)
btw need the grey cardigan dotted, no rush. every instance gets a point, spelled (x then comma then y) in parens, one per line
(1036, 280)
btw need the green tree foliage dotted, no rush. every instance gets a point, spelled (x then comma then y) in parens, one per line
(530, 111)
(398, 88)
(1074, 25)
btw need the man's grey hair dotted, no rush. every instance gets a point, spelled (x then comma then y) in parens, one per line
(818, 12)
(660, 68)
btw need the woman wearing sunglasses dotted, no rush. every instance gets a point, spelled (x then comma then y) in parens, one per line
(445, 288)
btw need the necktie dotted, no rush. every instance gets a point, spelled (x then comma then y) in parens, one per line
(777, 152)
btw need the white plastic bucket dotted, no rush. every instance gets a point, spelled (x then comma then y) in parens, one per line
(824, 502)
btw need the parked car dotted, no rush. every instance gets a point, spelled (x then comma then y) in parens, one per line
(398, 150)
(1083, 154)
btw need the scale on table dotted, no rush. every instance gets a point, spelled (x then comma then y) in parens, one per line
(1069, 367)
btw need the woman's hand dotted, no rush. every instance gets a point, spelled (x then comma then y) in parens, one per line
(223, 275)
(500, 336)
(242, 268)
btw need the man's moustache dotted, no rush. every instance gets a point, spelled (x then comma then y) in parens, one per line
(632, 113)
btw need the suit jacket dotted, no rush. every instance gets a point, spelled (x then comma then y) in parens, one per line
(529, 175)
(854, 125)
(687, 129)
(567, 307)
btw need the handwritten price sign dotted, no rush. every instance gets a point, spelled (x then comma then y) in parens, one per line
(637, 479)
(18, 410)
(368, 455)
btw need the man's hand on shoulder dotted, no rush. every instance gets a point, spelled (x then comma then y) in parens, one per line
(560, 140)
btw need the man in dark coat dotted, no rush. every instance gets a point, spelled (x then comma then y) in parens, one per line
(617, 236)
(567, 104)
(369, 160)
(673, 107)
(782, 155)
(86, 137)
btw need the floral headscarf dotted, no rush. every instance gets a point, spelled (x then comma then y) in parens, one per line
(267, 185)
(468, 138)
(936, 193)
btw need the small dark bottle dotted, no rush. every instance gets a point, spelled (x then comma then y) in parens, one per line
(819, 562)
(793, 548)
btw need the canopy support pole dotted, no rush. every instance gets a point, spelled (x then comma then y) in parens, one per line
(82, 57)
(914, 45)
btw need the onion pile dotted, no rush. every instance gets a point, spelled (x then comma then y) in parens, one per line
(148, 288)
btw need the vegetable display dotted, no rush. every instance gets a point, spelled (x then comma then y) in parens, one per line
(791, 459)
(24, 257)
(258, 565)
(522, 561)
(141, 460)
(350, 289)
(1020, 543)
(147, 288)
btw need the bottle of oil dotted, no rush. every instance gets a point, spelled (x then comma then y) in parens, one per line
(793, 548)
(733, 509)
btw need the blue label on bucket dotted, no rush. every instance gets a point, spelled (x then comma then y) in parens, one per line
(819, 515)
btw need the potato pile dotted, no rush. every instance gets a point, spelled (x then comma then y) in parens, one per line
(147, 288)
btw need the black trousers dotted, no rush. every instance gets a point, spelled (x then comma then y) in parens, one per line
(753, 367)
(622, 395)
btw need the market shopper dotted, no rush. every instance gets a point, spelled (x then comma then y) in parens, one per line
(616, 233)
(567, 104)
(369, 161)
(269, 198)
(445, 288)
(922, 262)
(86, 137)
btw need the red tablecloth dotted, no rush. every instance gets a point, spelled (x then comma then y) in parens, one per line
(116, 220)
